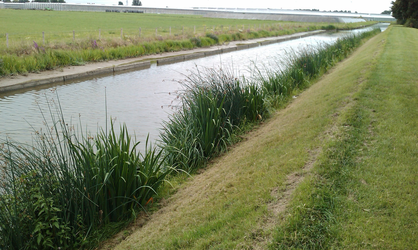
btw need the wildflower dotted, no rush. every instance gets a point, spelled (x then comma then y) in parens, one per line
(94, 44)
(36, 46)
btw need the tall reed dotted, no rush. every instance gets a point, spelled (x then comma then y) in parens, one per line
(216, 102)
(55, 193)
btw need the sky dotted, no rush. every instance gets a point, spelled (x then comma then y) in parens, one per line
(361, 6)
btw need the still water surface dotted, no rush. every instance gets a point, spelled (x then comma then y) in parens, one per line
(140, 99)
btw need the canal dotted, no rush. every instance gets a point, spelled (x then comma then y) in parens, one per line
(141, 99)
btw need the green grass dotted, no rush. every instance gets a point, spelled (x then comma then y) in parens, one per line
(384, 182)
(61, 23)
(230, 204)
(27, 51)
(363, 192)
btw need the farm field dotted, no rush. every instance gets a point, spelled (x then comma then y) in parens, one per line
(60, 23)
(56, 39)
(336, 168)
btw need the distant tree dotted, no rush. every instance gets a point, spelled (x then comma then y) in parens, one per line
(386, 12)
(6, 1)
(136, 3)
(41, 1)
(120, 3)
(406, 12)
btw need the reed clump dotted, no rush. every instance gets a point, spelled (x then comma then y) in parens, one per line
(60, 191)
(216, 103)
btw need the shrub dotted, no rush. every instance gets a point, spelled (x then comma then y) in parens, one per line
(196, 41)
(213, 37)
(329, 27)
(411, 22)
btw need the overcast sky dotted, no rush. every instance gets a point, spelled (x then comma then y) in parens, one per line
(362, 6)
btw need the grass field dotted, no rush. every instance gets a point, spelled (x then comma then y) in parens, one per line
(60, 24)
(57, 39)
(335, 169)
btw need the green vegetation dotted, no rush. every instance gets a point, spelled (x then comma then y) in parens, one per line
(406, 12)
(216, 102)
(363, 192)
(335, 169)
(108, 36)
(62, 190)
(59, 192)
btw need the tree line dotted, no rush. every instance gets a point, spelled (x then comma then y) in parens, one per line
(406, 12)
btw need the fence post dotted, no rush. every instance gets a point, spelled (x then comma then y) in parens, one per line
(204, 29)
(7, 40)
(139, 32)
(194, 29)
(213, 28)
(121, 33)
(183, 31)
(156, 32)
(73, 35)
(43, 37)
(170, 30)
(100, 34)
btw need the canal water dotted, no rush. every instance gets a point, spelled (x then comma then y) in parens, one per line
(141, 99)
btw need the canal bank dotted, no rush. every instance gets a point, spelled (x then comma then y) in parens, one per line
(12, 83)
(280, 173)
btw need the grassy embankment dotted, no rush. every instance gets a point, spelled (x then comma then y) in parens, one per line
(363, 194)
(27, 53)
(335, 168)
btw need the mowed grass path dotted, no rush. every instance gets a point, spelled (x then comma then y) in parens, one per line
(381, 199)
(351, 138)
(363, 193)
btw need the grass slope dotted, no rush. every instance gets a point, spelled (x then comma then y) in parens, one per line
(335, 169)
(381, 199)
(362, 194)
